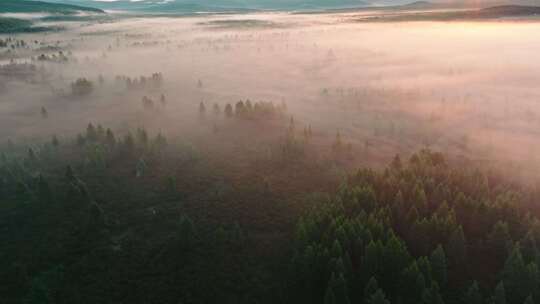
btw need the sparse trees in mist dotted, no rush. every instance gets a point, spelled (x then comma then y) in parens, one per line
(44, 113)
(228, 111)
(202, 109)
(82, 87)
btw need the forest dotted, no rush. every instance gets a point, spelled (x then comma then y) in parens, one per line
(268, 157)
(108, 218)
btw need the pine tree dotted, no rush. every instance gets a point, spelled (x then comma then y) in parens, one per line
(186, 232)
(473, 295)
(239, 109)
(396, 163)
(529, 300)
(499, 240)
(202, 109)
(438, 265)
(412, 284)
(55, 142)
(371, 287)
(171, 184)
(44, 191)
(162, 100)
(337, 142)
(432, 295)
(378, 298)
(515, 278)
(31, 158)
(419, 198)
(228, 110)
(80, 140)
(109, 138)
(395, 259)
(457, 248)
(91, 133)
(500, 294)
(129, 142)
(70, 175)
(44, 113)
(329, 297)
(341, 291)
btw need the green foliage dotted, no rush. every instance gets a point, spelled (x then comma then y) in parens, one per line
(371, 288)
(417, 232)
(473, 295)
(439, 266)
(378, 298)
(500, 294)
(428, 247)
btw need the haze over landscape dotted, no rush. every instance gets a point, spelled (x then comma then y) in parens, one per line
(269, 151)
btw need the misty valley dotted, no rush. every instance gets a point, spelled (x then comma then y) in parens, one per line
(303, 155)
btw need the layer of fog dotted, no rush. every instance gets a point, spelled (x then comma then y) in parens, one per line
(469, 89)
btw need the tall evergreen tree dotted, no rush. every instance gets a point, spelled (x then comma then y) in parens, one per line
(457, 247)
(500, 294)
(438, 265)
(378, 298)
(515, 278)
(371, 287)
(473, 295)
(529, 300)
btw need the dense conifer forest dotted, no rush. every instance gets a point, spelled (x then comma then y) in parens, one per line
(141, 218)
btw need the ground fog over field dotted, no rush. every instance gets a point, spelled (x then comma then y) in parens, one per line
(388, 88)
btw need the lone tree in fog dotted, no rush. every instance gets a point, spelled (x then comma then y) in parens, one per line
(109, 138)
(91, 133)
(44, 112)
(162, 100)
(202, 109)
(55, 142)
(228, 110)
(239, 109)
(338, 142)
(291, 125)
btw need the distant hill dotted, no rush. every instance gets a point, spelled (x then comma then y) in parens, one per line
(511, 10)
(24, 6)
(15, 25)
(189, 6)
(489, 13)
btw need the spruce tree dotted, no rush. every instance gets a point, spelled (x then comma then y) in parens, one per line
(228, 110)
(371, 287)
(202, 109)
(438, 265)
(473, 295)
(456, 247)
(378, 298)
(500, 294)
(55, 142)
(515, 278)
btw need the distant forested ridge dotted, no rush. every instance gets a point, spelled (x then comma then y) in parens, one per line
(25, 6)
(16, 25)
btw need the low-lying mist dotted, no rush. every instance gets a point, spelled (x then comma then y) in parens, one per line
(468, 89)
